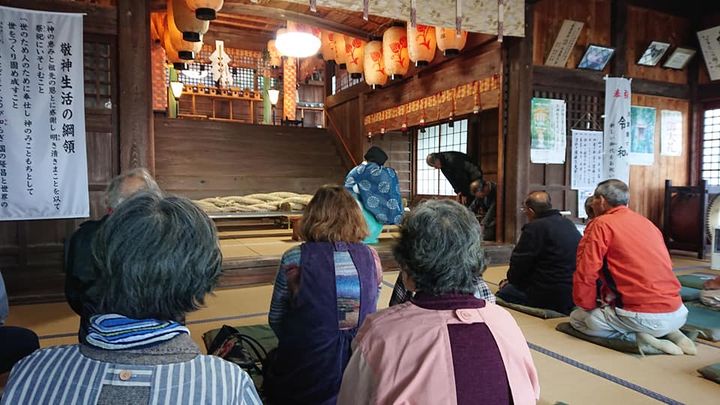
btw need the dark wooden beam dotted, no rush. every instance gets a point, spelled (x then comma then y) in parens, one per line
(554, 78)
(618, 36)
(281, 14)
(518, 84)
(135, 117)
(673, 7)
(99, 19)
(708, 92)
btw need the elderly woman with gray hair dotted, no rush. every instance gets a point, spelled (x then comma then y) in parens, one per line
(156, 259)
(444, 346)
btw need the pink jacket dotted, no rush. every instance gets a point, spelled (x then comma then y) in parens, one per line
(403, 355)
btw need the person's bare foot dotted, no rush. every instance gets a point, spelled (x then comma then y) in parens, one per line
(713, 284)
(683, 342)
(664, 345)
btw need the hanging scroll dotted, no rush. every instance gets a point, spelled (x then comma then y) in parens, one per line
(43, 163)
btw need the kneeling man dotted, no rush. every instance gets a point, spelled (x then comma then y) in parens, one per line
(639, 294)
(543, 262)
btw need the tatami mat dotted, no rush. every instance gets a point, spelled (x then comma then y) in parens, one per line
(571, 371)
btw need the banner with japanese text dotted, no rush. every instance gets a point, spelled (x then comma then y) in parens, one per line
(616, 164)
(43, 163)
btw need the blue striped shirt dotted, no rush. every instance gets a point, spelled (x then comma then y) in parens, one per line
(63, 375)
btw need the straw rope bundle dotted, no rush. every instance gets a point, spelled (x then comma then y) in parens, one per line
(278, 201)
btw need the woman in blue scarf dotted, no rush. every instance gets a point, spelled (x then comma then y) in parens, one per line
(377, 189)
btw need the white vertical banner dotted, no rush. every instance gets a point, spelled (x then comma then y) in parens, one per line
(586, 166)
(616, 145)
(43, 162)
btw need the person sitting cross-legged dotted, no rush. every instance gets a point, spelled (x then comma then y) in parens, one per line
(444, 346)
(640, 295)
(157, 258)
(543, 262)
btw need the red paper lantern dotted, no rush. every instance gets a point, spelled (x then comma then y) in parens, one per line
(185, 20)
(340, 56)
(327, 47)
(354, 51)
(374, 65)
(395, 52)
(449, 42)
(421, 44)
(205, 9)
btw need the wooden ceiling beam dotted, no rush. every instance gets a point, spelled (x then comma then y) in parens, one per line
(242, 26)
(249, 18)
(276, 13)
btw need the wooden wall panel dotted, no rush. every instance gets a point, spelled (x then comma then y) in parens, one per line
(647, 182)
(548, 18)
(346, 118)
(199, 159)
(644, 26)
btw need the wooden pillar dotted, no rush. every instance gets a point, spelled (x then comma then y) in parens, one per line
(518, 84)
(135, 117)
(289, 88)
(618, 37)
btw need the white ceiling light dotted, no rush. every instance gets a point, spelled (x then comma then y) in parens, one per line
(296, 44)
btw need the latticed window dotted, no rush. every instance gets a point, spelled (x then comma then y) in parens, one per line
(711, 147)
(437, 138)
(98, 75)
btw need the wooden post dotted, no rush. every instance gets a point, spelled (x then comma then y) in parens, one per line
(518, 53)
(172, 103)
(135, 119)
(618, 36)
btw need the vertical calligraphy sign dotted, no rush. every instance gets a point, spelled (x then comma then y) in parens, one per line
(43, 162)
(616, 144)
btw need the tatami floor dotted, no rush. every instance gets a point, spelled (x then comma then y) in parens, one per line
(571, 371)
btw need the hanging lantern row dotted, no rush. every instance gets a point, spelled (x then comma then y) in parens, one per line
(185, 24)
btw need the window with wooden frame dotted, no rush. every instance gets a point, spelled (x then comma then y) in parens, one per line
(437, 138)
(710, 169)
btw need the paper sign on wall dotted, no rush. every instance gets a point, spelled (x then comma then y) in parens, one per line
(548, 131)
(671, 123)
(564, 43)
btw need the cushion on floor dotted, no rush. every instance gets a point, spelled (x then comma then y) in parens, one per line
(704, 320)
(695, 280)
(689, 294)
(711, 372)
(537, 312)
(615, 344)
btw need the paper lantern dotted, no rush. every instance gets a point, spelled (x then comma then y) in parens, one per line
(449, 42)
(354, 49)
(374, 65)
(421, 44)
(395, 52)
(185, 20)
(275, 58)
(186, 50)
(327, 47)
(205, 9)
(340, 56)
(172, 54)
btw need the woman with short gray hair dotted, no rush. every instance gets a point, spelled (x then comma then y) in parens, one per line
(445, 345)
(156, 260)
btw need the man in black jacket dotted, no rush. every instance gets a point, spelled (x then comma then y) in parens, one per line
(543, 262)
(459, 169)
(80, 277)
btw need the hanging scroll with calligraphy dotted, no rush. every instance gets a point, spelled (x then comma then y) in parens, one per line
(548, 131)
(587, 159)
(617, 129)
(43, 163)
(671, 123)
(642, 136)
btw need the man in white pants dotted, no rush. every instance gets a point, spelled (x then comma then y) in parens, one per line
(639, 294)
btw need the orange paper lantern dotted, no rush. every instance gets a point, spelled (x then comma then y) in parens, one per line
(395, 52)
(172, 54)
(275, 58)
(327, 47)
(205, 9)
(449, 42)
(374, 65)
(421, 44)
(186, 50)
(185, 20)
(354, 49)
(340, 56)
